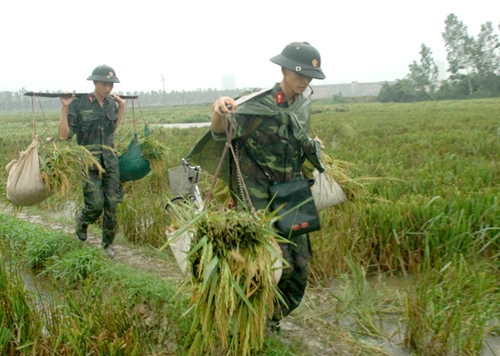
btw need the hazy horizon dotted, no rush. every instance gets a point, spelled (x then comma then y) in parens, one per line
(192, 45)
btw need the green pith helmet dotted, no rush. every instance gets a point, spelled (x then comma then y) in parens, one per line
(104, 73)
(301, 58)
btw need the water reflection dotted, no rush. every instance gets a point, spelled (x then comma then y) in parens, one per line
(186, 125)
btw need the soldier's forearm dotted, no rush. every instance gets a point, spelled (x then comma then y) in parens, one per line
(63, 128)
(218, 125)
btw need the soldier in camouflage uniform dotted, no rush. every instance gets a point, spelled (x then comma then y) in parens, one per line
(94, 119)
(272, 150)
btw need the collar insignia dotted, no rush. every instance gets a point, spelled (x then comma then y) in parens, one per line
(280, 98)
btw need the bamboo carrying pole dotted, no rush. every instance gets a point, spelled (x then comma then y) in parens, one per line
(67, 95)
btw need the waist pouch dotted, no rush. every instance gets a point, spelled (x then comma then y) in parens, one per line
(297, 211)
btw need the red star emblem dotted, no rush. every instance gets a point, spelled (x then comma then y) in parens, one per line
(280, 98)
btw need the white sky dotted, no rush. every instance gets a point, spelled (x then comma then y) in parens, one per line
(54, 45)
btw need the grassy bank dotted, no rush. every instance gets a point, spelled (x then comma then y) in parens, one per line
(98, 308)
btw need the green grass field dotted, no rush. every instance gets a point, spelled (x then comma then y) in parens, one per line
(430, 217)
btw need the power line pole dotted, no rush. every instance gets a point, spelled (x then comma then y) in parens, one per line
(163, 80)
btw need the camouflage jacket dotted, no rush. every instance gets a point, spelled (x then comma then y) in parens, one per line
(271, 152)
(94, 126)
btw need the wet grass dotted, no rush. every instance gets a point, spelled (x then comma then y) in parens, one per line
(101, 307)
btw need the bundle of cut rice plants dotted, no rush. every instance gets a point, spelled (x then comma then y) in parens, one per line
(59, 164)
(231, 277)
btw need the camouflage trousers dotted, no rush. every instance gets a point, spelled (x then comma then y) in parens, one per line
(102, 195)
(293, 281)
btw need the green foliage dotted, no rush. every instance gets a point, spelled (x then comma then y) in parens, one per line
(77, 265)
(473, 64)
(143, 220)
(458, 45)
(339, 99)
(424, 75)
(230, 277)
(402, 91)
(433, 178)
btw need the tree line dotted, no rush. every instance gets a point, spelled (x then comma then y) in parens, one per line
(17, 101)
(473, 66)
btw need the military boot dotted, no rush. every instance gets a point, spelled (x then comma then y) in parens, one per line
(108, 250)
(81, 229)
(273, 326)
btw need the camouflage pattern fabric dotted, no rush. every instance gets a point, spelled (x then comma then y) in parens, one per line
(94, 127)
(102, 194)
(278, 160)
(278, 145)
(293, 281)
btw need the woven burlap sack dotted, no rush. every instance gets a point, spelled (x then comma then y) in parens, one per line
(25, 186)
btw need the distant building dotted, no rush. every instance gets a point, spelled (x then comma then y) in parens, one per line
(228, 82)
(349, 89)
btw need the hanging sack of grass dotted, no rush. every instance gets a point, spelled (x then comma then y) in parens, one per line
(25, 186)
(133, 165)
(328, 187)
(326, 191)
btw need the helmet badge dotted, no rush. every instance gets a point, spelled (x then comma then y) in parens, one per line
(315, 62)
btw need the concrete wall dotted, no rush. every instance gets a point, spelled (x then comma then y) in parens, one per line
(351, 89)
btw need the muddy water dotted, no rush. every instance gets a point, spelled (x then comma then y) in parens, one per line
(40, 286)
(41, 291)
(392, 327)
